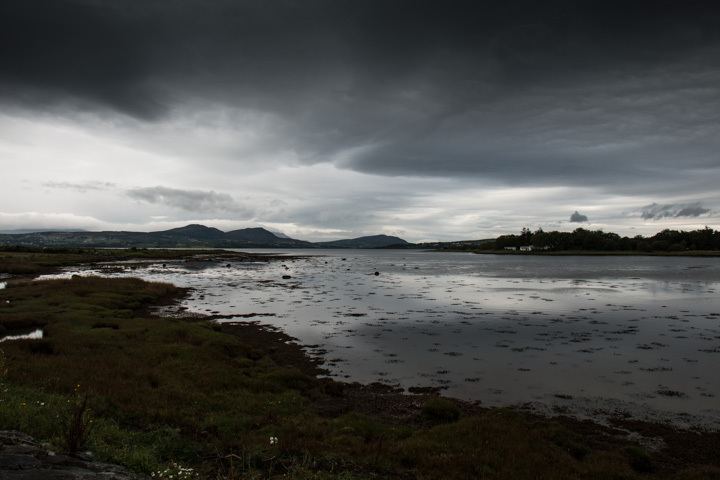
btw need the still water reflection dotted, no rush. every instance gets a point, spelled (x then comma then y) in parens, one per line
(642, 331)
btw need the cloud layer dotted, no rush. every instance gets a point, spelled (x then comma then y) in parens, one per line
(189, 200)
(658, 212)
(195, 104)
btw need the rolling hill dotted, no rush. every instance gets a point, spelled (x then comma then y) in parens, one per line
(189, 236)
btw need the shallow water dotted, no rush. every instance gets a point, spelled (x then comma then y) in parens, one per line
(631, 332)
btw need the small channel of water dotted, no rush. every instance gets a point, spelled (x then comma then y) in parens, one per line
(33, 335)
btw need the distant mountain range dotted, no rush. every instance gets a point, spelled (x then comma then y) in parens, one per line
(190, 236)
(374, 241)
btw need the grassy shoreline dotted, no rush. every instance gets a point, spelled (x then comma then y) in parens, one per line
(237, 402)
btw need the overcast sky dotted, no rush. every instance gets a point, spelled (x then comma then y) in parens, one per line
(328, 119)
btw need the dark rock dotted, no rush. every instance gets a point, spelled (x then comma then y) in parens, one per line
(14, 462)
(64, 461)
(12, 437)
(19, 450)
(24, 458)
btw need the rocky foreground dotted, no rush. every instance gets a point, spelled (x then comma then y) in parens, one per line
(24, 458)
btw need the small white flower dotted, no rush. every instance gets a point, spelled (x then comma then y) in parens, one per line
(273, 440)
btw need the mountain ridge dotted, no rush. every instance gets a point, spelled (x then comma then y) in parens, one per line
(372, 241)
(189, 236)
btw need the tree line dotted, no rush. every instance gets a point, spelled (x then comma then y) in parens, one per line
(597, 240)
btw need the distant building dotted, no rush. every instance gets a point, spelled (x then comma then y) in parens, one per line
(510, 248)
(530, 248)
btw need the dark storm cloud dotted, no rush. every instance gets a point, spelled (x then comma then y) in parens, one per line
(519, 91)
(189, 200)
(578, 217)
(655, 211)
(77, 52)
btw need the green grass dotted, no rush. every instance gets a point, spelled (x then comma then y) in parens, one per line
(162, 392)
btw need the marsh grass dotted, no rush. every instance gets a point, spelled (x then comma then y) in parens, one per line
(168, 392)
(440, 410)
(34, 259)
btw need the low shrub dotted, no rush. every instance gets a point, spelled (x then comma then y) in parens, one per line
(639, 459)
(440, 410)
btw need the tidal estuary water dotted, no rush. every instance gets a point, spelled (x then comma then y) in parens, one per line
(566, 334)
